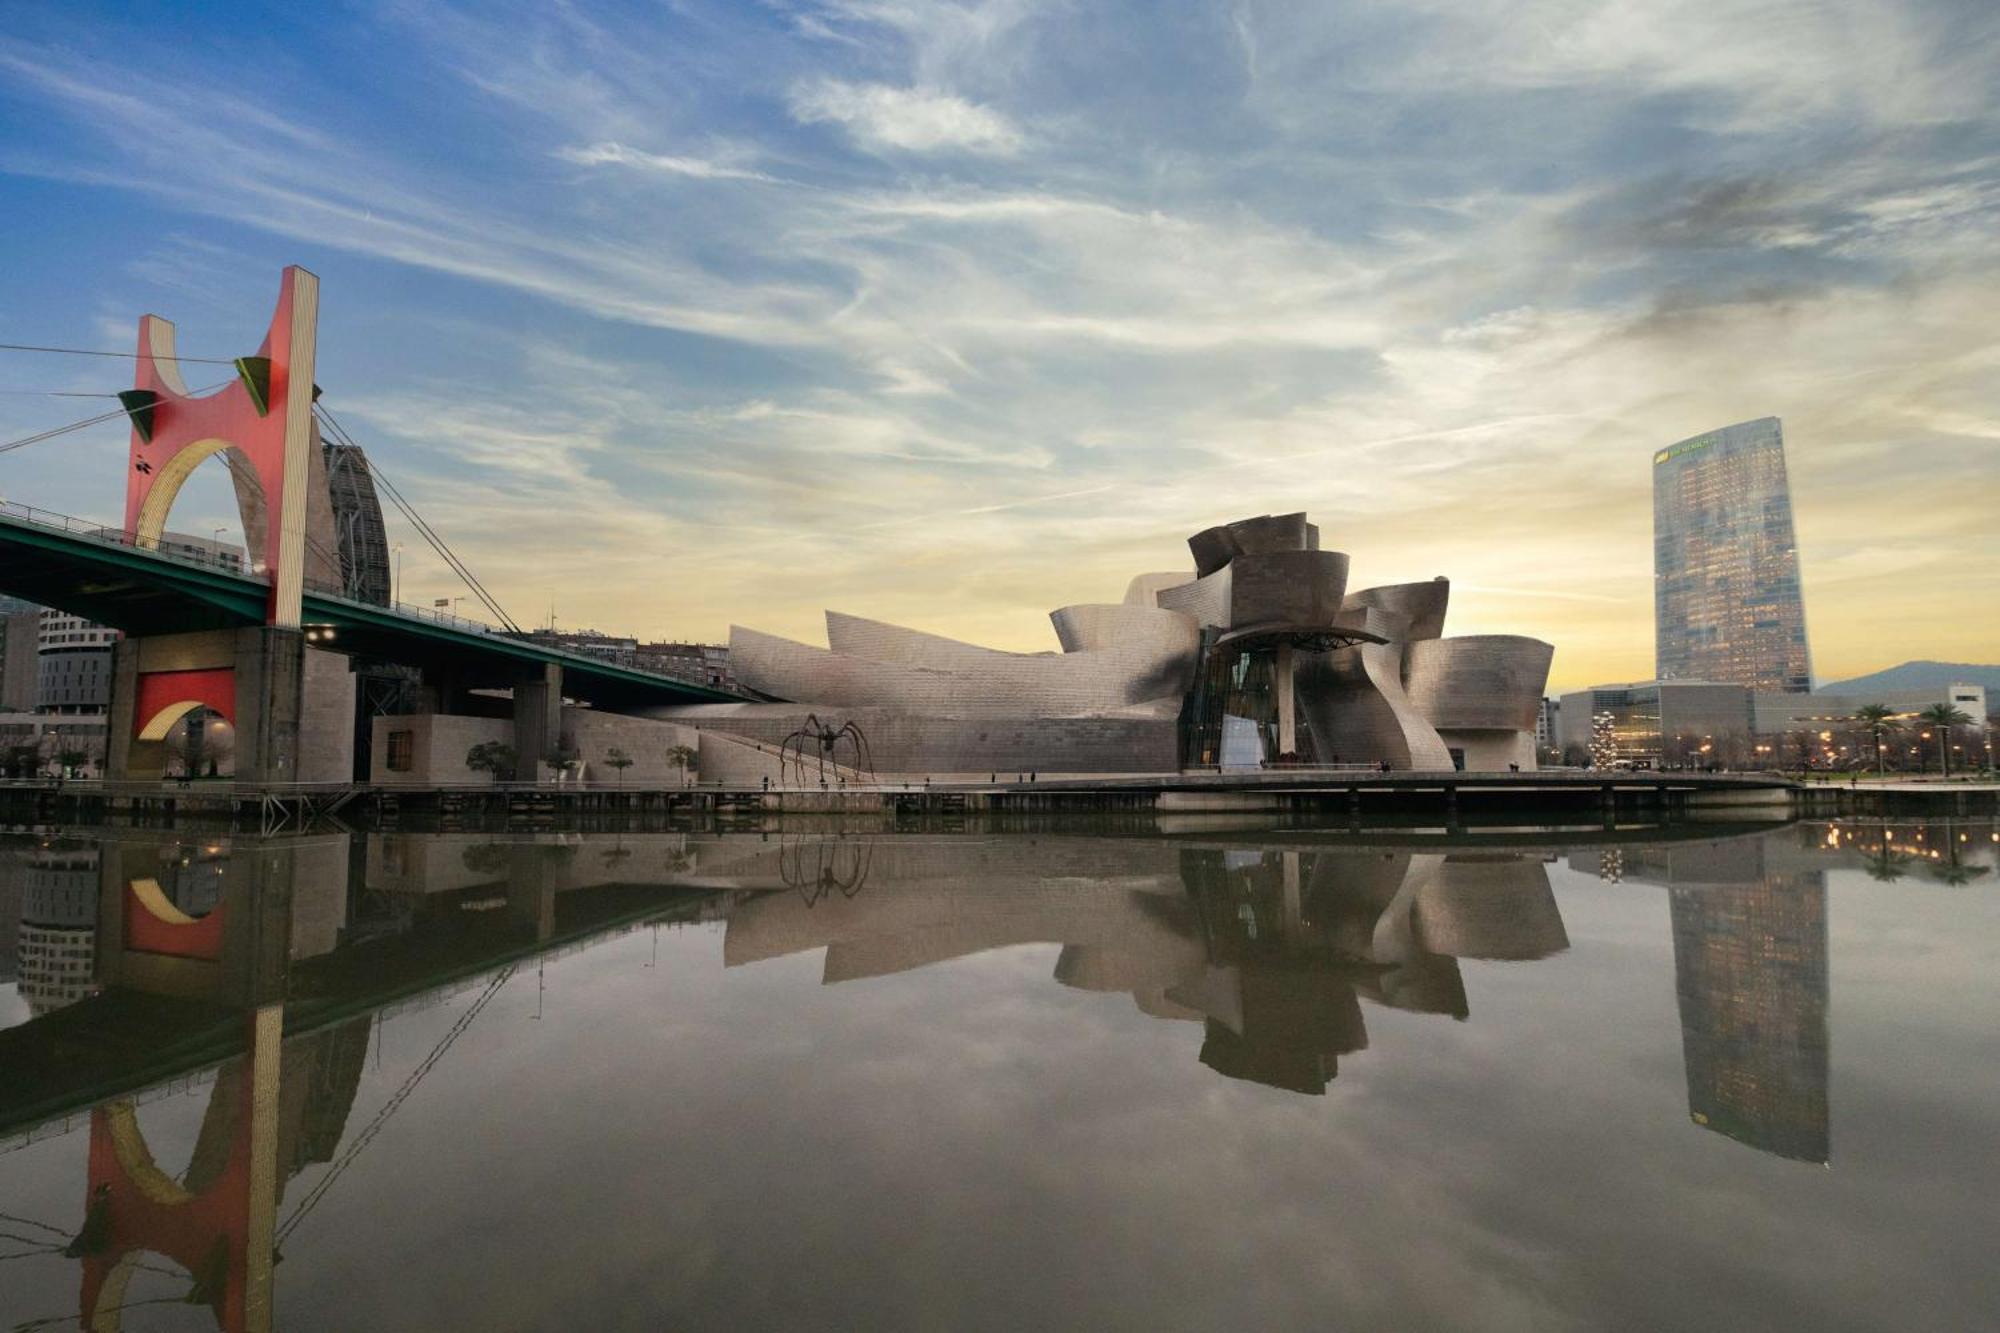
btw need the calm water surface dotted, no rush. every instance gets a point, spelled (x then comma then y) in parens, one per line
(1200, 1079)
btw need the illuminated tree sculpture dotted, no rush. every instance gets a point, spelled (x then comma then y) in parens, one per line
(1603, 740)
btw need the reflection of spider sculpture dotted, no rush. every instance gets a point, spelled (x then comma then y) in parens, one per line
(813, 876)
(823, 740)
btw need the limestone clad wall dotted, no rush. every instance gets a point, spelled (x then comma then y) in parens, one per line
(437, 746)
(910, 742)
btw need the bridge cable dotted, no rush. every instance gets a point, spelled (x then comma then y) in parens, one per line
(436, 542)
(128, 356)
(390, 1107)
(422, 525)
(51, 433)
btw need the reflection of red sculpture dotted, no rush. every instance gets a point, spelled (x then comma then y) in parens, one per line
(154, 925)
(218, 1226)
(264, 418)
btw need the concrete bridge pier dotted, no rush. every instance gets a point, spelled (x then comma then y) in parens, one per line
(538, 716)
(291, 706)
(531, 888)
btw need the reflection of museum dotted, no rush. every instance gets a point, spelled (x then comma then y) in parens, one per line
(1271, 951)
(1258, 654)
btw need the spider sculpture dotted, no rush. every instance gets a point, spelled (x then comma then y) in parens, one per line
(823, 741)
(815, 868)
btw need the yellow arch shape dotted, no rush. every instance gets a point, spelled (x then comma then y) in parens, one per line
(152, 523)
(163, 721)
(109, 1315)
(155, 901)
(128, 1141)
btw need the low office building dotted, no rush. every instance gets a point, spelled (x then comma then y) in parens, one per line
(703, 663)
(1676, 723)
(74, 664)
(1777, 714)
(1652, 723)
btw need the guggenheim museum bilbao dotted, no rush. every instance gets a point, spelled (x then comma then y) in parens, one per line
(1259, 655)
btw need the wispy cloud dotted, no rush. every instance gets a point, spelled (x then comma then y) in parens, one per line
(916, 120)
(953, 312)
(697, 168)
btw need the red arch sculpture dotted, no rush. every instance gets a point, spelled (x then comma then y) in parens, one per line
(218, 1225)
(265, 416)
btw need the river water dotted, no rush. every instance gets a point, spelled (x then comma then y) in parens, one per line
(1206, 1076)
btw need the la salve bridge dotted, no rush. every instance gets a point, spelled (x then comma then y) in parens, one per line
(262, 646)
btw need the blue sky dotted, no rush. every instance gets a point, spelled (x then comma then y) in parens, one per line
(683, 314)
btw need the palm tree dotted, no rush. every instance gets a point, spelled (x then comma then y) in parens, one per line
(619, 760)
(683, 757)
(1944, 717)
(1877, 718)
(1886, 865)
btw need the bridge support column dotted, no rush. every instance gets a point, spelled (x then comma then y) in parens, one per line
(292, 707)
(270, 703)
(236, 954)
(120, 726)
(531, 889)
(1288, 712)
(538, 717)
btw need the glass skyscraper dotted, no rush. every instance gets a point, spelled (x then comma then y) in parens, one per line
(1726, 599)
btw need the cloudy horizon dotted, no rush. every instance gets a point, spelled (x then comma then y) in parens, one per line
(680, 315)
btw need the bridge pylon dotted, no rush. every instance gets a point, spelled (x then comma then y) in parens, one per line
(262, 424)
(264, 418)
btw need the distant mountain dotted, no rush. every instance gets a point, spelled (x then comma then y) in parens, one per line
(1922, 675)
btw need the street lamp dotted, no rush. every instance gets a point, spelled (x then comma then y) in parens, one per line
(396, 593)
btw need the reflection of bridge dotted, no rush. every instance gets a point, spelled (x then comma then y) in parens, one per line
(261, 956)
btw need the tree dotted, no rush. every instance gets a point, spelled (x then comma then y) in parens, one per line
(683, 757)
(1877, 718)
(1887, 864)
(72, 759)
(616, 758)
(21, 761)
(495, 757)
(1943, 717)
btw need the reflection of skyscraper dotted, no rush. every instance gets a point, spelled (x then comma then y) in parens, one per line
(57, 949)
(1727, 605)
(1750, 968)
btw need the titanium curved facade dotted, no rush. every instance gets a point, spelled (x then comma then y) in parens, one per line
(1490, 682)
(1356, 710)
(1258, 655)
